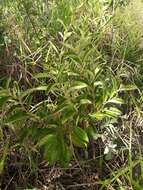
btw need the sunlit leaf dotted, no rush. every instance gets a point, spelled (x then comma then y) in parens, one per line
(98, 83)
(115, 101)
(127, 88)
(85, 101)
(79, 85)
(113, 112)
(97, 115)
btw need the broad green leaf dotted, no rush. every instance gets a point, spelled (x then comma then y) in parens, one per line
(46, 139)
(68, 114)
(77, 142)
(85, 101)
(4, 93)
(51, 147)
(52, 151)
(18, 115)
(81, 134)
(65, 155)
(97, 115)
(79, 85)
(79, 137)
(115, 101)
(113, 112)
(127, 88)
(56, 150)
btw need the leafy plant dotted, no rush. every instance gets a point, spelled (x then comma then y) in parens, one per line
(72, 77)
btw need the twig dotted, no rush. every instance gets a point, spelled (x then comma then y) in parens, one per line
(83, 184)
(9, 183)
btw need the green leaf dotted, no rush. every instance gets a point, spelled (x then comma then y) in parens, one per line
(97, 70)
(41, 88)
(79, 85)
(64, 106)
(3, 100)
(67, 114)
(51, 147)
(67, 35)
(85, 101)
(29, 91)
(52, 152)
(2, 161)
(42, 75)
(72, 74)
(92, 133)
(127, 88)
(115, 101)
(54, 47)
(4, 93)
(112, 112)
(46, 139)
(65, 154)
(79, 137)
(55, 149)
(3, 157)
(97, 115)
(19, 115)
(98, 83)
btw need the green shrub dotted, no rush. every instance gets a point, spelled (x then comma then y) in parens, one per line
(74, 75)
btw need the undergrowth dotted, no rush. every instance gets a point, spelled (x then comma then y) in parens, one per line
(71, 75)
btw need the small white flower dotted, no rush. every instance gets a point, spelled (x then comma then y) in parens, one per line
(106, 150)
